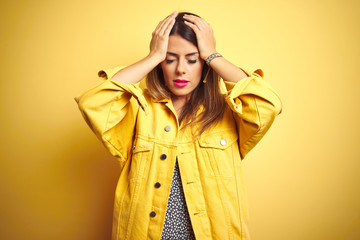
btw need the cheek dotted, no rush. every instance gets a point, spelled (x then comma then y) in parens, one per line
(166, 70)
(166, 73)
(198, 70)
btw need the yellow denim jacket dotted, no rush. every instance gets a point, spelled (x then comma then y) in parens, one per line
(143, 134)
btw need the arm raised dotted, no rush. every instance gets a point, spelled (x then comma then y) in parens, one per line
(158, 47)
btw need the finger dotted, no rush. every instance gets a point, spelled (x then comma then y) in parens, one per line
(195, 20)
(169, 27)
(201, 23)
(193, 26)
(174, 14)
(169, 22)
(161, 23)
(159, 26)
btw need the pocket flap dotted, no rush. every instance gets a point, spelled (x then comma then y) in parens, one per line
(141, 146)
(219, 139)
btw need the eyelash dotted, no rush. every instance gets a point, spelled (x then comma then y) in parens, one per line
(172, 60)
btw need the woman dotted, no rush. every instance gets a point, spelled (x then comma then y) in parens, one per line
(199, 116)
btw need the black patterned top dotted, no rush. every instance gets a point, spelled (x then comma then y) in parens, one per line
(177, 223)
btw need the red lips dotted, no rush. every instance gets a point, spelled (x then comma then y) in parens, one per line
(181, 82)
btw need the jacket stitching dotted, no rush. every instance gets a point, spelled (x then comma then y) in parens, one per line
(133, 199)
(224, 205)
(254, 135)
(258, 113)
(237, 192)
(120, 212)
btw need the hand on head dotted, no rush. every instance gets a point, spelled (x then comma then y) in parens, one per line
(204, 34)
(160, 37)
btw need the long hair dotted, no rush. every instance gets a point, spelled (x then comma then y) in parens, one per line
(206, 95)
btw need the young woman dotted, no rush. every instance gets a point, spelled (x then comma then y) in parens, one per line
(180, 142)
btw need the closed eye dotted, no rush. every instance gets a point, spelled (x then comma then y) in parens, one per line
(169, 60)
(192, 61)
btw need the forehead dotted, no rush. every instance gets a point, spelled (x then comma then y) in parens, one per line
(180, 46)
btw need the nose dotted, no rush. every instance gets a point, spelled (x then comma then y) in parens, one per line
(180, 68)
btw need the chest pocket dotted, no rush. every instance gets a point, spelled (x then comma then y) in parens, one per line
(218, 151)
(140, 159)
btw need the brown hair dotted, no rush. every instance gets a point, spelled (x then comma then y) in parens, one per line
(207, 94)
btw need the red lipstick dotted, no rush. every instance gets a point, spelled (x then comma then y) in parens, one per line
(181, 82)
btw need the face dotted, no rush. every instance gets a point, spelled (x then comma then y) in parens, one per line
(182, 67)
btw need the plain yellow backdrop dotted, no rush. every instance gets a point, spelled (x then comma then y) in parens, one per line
(57, 181)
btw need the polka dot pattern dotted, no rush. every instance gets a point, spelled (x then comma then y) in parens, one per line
(177, 223)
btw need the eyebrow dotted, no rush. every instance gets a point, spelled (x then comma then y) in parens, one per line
(189, 54)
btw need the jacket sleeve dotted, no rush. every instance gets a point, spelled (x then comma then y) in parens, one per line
(110, 109)
(255, 105)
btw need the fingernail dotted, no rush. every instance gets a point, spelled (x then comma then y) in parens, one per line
(175, 13)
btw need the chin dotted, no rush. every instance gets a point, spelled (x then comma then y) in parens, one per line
(181, 93)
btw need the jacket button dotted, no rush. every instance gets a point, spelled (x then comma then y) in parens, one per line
(223, 142)
(167, 128)
(163, 156)
(157, 185)
(152, 214)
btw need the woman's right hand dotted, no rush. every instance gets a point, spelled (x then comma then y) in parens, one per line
(158, 48)
(160, 37)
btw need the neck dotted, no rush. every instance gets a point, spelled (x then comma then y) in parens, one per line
(179, 103)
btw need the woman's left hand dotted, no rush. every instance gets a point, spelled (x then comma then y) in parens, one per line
(204, 34)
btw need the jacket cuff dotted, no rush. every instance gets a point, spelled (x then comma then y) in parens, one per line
(133, 89)
(235, 89)
(258, 72)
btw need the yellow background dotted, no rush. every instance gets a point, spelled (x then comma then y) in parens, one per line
(57, 181)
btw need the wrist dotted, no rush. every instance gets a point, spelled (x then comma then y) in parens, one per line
(155, 58)
(211, 57)
(204, 55)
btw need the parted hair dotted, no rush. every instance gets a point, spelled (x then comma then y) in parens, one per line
(206, 95)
